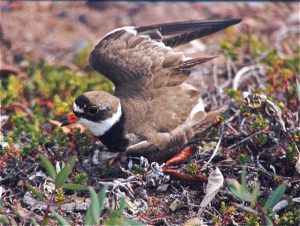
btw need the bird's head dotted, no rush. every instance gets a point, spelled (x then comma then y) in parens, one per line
(96, 110)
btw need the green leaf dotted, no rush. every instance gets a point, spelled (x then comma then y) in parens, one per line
(45, 221)
(4, 220)
(48, 166)
(274, 198)
(116, 217)
(255, 193)
(36, 192)
(121, 221)
(118, 213)
(93, 212)
(132, 222)
(76, 187)
(33, 221)
(268, 221)
(1, 203)
(244, 182)
(62, 176)
(72, 161)
(101, 199)
(237, 190)
(61, 221)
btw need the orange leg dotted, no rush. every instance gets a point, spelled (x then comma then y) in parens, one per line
(182, 156)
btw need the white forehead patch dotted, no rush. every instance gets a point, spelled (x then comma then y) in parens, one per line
(77, 108)
(99, 128)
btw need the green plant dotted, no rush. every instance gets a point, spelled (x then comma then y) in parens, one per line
(96, 207)
(192, 168)
(80, 177)
(241, 191)
(60, 183)
(242, 158)
(6, 218)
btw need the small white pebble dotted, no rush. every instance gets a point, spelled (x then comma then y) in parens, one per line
(95, 158)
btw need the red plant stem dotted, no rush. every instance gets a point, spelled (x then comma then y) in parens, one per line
(49, 203)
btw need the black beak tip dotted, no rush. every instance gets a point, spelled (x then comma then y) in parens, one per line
(64, 121)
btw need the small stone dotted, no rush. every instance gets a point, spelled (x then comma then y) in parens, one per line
(162, 188)
(175, 204)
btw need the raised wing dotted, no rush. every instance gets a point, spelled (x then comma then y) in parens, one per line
(141, 59)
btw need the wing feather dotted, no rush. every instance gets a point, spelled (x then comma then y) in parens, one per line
(141, 64)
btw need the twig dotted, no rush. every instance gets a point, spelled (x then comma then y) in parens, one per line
(246, 72)
(247, 138)
(216, 149)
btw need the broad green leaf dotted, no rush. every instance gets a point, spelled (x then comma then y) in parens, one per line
(274, 198)
(72, 161)
(88, 219)
(122, 204)
(244, 182)
(93, 212)
(36, 192)
(61, 221)
(101, 199)
(268, 221)
(4, 220)
(1, 204)
(62, 176)
(76, 187)
(48, 166)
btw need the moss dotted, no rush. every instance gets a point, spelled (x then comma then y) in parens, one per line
(80, 178)
(242, 158)
(289, 218)
(260, 123)
(252, 219)
(291, 152)
(192, 168)
(138, 169)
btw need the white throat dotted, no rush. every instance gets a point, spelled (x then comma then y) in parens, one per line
(99, 128)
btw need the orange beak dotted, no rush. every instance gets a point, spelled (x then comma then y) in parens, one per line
(69, 119)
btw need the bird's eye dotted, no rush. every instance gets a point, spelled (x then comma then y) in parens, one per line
(93, 110)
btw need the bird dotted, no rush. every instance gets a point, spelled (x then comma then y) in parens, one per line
(156, 108)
